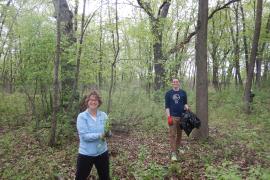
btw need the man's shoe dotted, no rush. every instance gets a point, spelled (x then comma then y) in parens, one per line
(180, 151)
(173, 157)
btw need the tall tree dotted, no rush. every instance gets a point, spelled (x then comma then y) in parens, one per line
(260, 54)
(76, 15)
(236, 47)
(116, 49)
(3, 15)
(201, 75)
(52, 140)
(216, 31)
(157, 26)
(244, 35)
(68, 68)
(75, 96)
(266, 61)
(100, 46)
(254, 49)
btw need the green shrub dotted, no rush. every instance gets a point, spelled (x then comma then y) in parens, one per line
(12, 109)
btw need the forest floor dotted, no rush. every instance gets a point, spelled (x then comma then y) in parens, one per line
(238, 147)
(134, 155)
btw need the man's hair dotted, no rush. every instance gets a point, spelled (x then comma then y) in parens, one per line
(175, 78)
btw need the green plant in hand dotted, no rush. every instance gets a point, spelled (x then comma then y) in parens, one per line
(107, 127)
(107, 130)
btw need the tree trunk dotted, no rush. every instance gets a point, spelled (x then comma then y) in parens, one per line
(213, 52)
(255, 42)
(158, 56)
(67, 69)
(265, 72)
(75, 94)
(157, 26)
(237, 48)
(3, 16)
(229, 74)
(259, 59)
(235, 40)
(258, 69)
(11, 75)
(52, 140)
(201, 75)
(116, 49)
(244, 36)
(100, 48)
(76, 15)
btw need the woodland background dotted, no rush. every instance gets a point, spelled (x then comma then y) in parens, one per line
(53, 52)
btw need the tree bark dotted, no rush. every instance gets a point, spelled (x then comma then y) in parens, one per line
(116, 49)
(52, 140)
(67, 69)
(100, 78)
(75, 94)
(261, 52)
(201, 75)
(76, 15)
(255, 42)
(238, 79)
(266, 69)
(213, 48)
(266, 61)
(3, 16)
(244, 36)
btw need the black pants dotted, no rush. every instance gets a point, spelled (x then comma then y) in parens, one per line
(85, 164)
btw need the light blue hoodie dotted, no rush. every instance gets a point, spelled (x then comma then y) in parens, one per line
(90, 132)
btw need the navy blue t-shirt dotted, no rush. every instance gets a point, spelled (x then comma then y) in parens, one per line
(175, 101)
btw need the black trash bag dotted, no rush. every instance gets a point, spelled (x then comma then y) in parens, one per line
(189, 121)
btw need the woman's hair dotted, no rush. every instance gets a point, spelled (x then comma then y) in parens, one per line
(85, 99)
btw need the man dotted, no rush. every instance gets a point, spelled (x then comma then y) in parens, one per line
(175, 105)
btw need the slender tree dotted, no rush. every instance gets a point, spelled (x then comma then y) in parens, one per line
(266, 61)
(100, 46)
(255, 42)
(245, 39)
(78, 57)
(52, 140)
(116, 49)
(260, 54)
(236, 47)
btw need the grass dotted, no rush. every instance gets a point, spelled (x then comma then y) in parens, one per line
(238, 146)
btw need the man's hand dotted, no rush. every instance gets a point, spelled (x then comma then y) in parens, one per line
(170, 121)
(186, 107)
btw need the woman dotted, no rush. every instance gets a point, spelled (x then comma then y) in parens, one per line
(93, 148)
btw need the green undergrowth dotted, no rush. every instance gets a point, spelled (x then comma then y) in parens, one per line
(24, 157)
(12, 109)
(237, 148)
(134, 110)
(244, 138)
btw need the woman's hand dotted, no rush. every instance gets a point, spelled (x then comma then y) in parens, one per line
(108, 134)
(105, 135)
